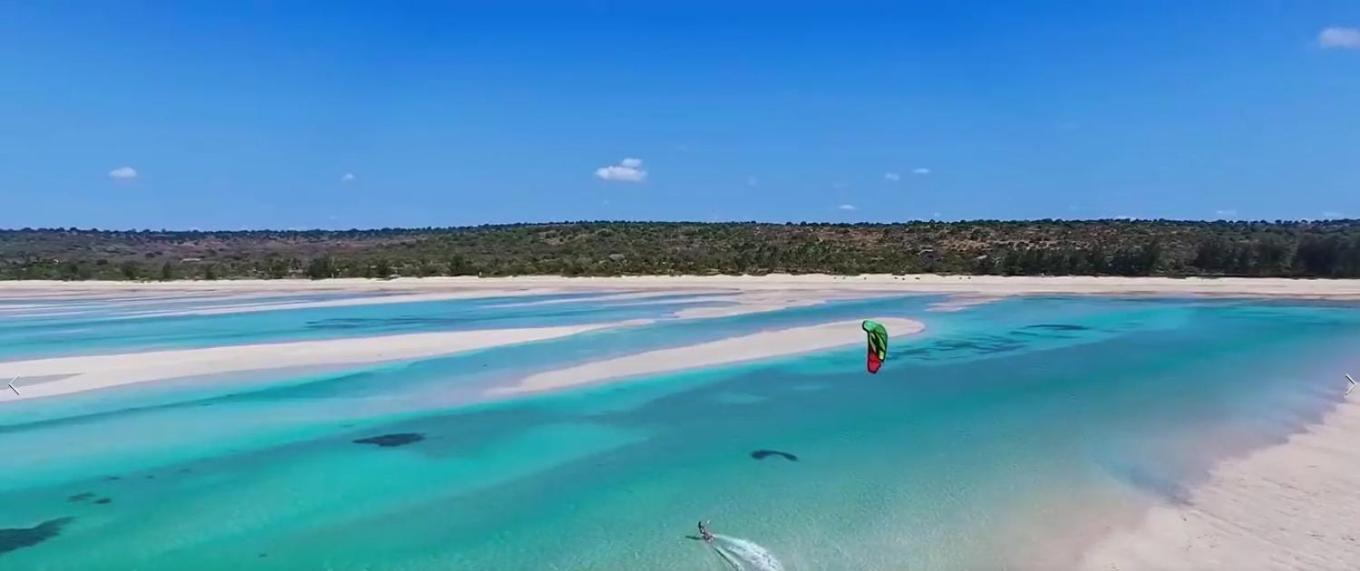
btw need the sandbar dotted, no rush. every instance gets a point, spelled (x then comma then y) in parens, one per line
(90, 372)
(753, 347)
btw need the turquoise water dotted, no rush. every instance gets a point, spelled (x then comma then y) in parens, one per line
(114, 327)
(1001, 436)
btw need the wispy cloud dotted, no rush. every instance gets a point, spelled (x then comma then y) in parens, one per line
(628, 170)
(347, 177)
(752, 181)
(1332, 214)
(123, 173)
(892, 176)
(920, 170)
(846, 207)
(1339, 38)
(1226, 213)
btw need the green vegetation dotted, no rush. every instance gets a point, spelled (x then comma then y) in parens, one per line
(1044, 247)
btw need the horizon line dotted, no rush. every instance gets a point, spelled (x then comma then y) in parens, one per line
(1121, 219)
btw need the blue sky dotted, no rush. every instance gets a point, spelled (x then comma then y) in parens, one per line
(290, 114)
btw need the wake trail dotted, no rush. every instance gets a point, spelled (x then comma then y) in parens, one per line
(743, 555)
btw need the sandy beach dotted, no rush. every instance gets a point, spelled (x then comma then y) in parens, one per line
(1291, 506)
(929, 283)
(736, 294)
(763, 345)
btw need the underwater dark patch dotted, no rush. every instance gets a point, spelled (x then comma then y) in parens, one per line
(103, 501)
(80, 497)
(1057, 327)
(391, 440)
(1153, 483)
(763, 454)
(21, 537)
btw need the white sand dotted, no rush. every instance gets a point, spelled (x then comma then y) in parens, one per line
(763, 345)
(747, 294)
(984, 285)
(961, 302)
(84, 373)
(343, 302)
(1291, 506)
(760, 301)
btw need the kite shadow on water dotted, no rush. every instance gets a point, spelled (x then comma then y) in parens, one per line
(392, 440)
(763, 454)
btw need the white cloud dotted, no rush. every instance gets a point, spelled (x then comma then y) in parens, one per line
(1332, 214)
(628, 170)
(347, 177)
(123, 173)
(1226, 213)
(1339, 38)
(920, 170)
(846, 207)
(935, 215)
(892, 176)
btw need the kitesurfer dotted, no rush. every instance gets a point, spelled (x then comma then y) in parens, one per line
(704, 532)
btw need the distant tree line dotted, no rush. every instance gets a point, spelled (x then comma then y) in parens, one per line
(1329, 249)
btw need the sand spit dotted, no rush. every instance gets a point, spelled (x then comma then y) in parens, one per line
(84, 373)
(757, 346)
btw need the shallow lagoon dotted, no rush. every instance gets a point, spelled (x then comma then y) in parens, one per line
(1006, 433)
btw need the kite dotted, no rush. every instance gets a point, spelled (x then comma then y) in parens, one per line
(878, 344)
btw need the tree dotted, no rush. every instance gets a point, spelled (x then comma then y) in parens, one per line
(1318, 256)
(381, 269)
(321, 268)
(460, 266)
(131, 270)
(276, 268)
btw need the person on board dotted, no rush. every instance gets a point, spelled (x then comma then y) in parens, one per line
(704, 532)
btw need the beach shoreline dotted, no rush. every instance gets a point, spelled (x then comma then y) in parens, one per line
(982, 285)
(1291, 505)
